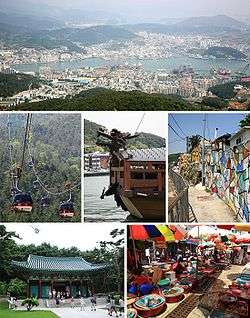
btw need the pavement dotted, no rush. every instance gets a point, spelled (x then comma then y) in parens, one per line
(225, 279)
(77, 313)
(209, 207)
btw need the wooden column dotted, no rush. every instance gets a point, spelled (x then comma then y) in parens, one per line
(70, 288)
(126, 175)
(81, 287)
(52, 286)
(39, 289)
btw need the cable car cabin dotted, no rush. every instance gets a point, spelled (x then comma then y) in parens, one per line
(66, 210)
(22, 202)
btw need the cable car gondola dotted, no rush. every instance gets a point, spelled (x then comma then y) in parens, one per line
(66, 209)
(22, 202)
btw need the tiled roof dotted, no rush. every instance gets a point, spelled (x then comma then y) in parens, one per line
(153, 154)
(56, 264)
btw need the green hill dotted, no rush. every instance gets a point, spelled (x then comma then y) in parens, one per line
(92, 35)
(11, 84)
(102, 99)
(144, 140)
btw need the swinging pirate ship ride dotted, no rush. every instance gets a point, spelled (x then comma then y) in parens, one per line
(137, 176)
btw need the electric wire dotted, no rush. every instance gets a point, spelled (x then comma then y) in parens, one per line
(177, 124)
(177, 134)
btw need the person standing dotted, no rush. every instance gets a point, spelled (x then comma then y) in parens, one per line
(82, 304)
(112, 306)
(93, 303)
(121, 305)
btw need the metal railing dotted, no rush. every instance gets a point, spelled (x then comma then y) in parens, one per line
(180, 210)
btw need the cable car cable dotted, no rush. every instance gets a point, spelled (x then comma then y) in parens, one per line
(142, 118)
(39, 179)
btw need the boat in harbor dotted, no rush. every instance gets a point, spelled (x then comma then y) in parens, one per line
(137, 177)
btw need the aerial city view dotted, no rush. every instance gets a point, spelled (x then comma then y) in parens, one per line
(66, 56)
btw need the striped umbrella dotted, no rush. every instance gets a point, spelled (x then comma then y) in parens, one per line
(145, 232)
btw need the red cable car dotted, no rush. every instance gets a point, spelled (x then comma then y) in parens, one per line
(67, 210)
(22, 202)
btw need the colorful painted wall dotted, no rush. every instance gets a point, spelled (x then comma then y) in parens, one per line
(227, 175)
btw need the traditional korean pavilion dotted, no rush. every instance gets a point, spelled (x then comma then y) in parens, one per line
(67, 274)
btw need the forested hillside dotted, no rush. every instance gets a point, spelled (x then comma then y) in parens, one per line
(11, 84)
(55, 149)
(103, 99)
(144, 140)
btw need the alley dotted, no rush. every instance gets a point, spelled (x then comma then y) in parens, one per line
(209, 208)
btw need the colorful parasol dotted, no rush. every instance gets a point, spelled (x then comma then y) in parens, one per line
(145, 232)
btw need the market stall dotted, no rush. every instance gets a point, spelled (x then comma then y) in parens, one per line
(172, 268)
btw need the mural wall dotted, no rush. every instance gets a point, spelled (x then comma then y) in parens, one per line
(227, 175)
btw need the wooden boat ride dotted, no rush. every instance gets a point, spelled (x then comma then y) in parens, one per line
(173, 295)
(137, 177)
(132, 313)
(150, 305)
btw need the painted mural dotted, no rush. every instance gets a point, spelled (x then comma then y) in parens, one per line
(227, 175)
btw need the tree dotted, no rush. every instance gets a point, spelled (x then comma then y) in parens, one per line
(115, 247)
(7, 245)
(16, 287)
(194, 141)
(245, 122)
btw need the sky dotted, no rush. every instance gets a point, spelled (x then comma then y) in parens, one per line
(152, 8)
(191, 124)
(162, 8)
(153, 122)
(83, 236)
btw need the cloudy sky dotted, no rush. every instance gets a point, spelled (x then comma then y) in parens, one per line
(164, 8)
(152, 122)
(150, 8)
(83, 236)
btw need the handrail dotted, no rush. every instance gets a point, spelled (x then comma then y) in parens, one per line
(179, 210)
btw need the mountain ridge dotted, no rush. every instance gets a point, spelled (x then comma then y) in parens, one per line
(144, 140)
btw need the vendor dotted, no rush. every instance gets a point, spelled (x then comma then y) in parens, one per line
(138, 278)
(178, 267)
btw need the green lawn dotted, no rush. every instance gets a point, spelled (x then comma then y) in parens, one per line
(7, 313)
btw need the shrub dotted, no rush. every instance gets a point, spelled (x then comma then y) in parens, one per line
(16, 287)
(30, 303)
(3, 288)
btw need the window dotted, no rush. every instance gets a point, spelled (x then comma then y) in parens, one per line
(121, 174)
(238, 140)
(138, 166)
(150, 175)
(136, 175)
(157, 166)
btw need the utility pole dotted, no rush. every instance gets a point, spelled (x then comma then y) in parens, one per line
(203, 151)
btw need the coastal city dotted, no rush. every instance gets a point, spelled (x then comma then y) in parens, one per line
(151, 63)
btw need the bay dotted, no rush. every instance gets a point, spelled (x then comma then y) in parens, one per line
(150, 65)
(97, 210)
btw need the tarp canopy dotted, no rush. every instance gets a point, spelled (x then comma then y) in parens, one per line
(145, 232)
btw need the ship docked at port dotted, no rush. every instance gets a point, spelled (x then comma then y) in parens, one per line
(137, 176)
